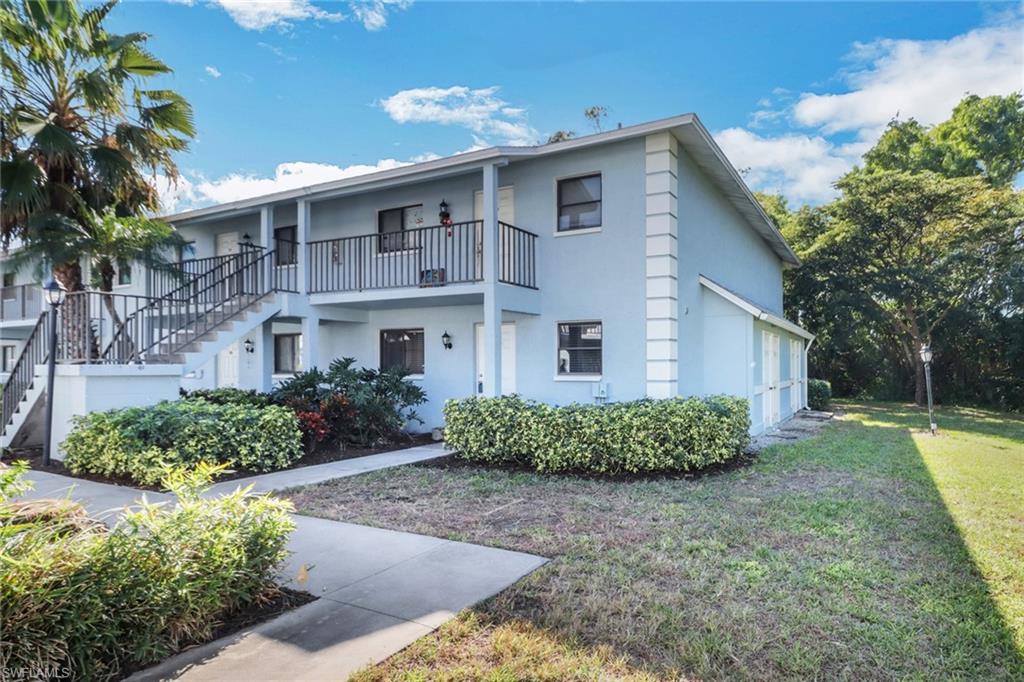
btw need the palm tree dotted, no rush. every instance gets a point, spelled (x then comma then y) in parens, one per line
(81, 135)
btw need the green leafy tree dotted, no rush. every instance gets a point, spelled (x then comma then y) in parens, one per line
(84, 137)
(984, 136)
(913, 247)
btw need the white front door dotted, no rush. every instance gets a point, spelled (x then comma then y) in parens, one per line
(508, 358)
(796, 389)
(770, 374)
(227, 366)
(506, 214)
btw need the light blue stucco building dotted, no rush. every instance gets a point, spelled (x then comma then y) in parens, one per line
(630, 263)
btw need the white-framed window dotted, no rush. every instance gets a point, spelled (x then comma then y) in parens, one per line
(287, 353)
(393, 224)
(579, 203)
(124, 275)
(402, 348)
(580, 347)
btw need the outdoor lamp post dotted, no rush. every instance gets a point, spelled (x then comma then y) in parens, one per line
(54, 294)
(926, 358)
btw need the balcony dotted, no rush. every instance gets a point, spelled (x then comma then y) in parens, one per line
(426, 257)
(22, 303)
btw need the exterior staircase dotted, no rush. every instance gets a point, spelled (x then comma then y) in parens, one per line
(187, 326)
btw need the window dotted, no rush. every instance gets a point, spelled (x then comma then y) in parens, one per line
(8, 279)
(579, 203)
(187, 252)
(579, 348)
(9, 293)
(124, 275)
(392, 225)
(402, 348)
(6, 358)
(287, 353)
(285, 243)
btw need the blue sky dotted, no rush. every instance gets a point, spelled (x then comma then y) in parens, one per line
(294, 92)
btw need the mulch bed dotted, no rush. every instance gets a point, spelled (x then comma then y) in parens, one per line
(35, 462)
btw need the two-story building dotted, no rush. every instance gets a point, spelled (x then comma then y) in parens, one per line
(630, 263)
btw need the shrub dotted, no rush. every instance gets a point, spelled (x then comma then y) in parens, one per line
(679, 434)
(89, 603)
(360, 406)
(229, 396)
(819, 394)
(140, 442)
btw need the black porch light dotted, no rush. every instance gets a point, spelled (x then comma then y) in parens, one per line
(446, 340)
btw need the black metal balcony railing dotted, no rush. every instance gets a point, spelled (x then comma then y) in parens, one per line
(422, 257)
(20, 302)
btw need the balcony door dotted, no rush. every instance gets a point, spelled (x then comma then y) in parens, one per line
(506, 214)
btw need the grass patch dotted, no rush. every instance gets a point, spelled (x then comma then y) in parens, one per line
(872, 551)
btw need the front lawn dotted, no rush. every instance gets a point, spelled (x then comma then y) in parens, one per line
(872, 551)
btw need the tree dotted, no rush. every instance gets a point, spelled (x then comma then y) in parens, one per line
(913, 247)
(984, 136)
(596, 114)
(561, 136)
(83, 136)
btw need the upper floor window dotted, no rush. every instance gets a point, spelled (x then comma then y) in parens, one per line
(579, 203)
(8, 279)
(402, 348)
(579, 348)
(187, 252)
(6, 358)
(285, 243)
(392, 225)
(124, 275)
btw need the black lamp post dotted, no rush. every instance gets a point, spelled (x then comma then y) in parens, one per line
(54, 294)
(926, 358)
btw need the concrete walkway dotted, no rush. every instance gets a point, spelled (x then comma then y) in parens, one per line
(379, 590)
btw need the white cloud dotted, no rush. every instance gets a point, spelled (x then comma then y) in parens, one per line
(802, 167)
(374, 13)
(480, 110)
(257, 15)
(197, 191)
(213, 71)
(919, 79)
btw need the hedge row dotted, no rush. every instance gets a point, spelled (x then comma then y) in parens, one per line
(142, 442)
(679, 434)
(81, 602)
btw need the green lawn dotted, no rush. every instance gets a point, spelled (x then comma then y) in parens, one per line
(872, 551)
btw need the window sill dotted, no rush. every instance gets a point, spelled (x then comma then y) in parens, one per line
(580, 231)
(593, 378)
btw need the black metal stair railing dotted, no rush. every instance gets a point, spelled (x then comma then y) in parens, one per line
(35, 352)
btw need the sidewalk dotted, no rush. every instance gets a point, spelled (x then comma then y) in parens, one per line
(379, 590)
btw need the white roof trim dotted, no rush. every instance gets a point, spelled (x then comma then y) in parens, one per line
(687, 128)
(757, 311)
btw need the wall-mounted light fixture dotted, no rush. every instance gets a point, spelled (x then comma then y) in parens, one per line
(249, 346)
(446, 340)
(444, 216)
(246, 239)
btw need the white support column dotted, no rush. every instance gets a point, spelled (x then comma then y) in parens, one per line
(662, 227)
(267, 238)
(302, 237)
(266, 360)
(492, 306)
(310, 341)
